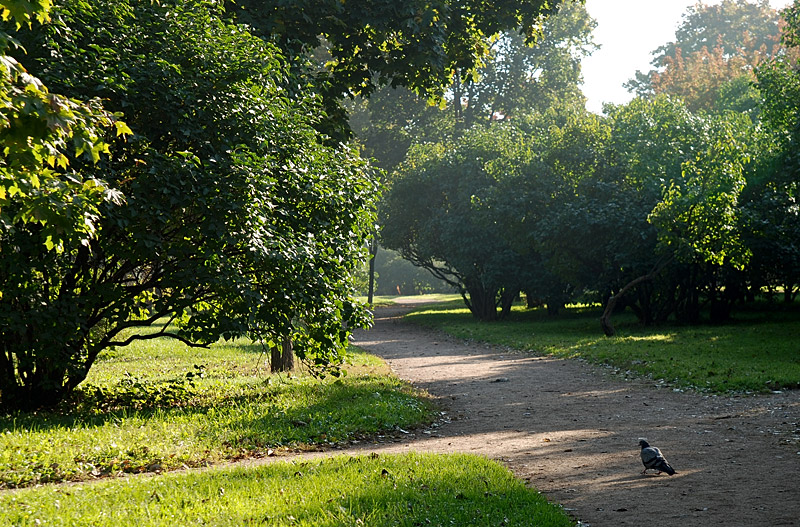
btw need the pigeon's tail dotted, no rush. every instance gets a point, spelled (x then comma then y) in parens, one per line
(663, 466)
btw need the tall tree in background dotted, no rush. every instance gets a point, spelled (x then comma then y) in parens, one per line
(437, 216)
(418, 44)
(772, 215)
(515, 78)
(711, 63)
(518, 78)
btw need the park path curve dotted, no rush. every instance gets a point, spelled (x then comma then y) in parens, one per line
(570, 429)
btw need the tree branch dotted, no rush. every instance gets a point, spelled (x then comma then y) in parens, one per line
(156, 336)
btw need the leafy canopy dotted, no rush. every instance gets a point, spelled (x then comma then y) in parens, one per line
(236, 219)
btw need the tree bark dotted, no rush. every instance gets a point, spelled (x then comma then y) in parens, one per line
(282, 359)
(506, 301)
(373, 252)
(483, 303)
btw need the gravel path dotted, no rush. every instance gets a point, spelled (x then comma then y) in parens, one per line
(571, 430)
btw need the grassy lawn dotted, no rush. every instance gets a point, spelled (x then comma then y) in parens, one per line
(159, 405)
(376, 491)
(757, 352)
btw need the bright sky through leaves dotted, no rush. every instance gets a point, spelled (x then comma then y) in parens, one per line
(628, 31)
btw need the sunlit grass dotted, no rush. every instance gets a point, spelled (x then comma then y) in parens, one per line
(376, 491)
(236, 409)
(758, 351)
(387, 300)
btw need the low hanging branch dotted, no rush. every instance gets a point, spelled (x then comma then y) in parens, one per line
(605, 320)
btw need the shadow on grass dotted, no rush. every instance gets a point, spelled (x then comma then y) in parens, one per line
(299, 414)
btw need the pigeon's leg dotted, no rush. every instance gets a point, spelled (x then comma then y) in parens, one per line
(644, 471)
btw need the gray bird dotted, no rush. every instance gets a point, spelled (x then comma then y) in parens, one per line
(653, 458)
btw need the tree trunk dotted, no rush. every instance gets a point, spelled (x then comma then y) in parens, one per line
(605, 320)
(507, 300)
(282, 359)
(373, 252)
(483, 303)
(532, 301)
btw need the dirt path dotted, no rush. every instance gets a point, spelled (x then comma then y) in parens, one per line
(571, 430)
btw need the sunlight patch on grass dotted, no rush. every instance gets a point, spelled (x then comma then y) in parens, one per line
(658, 337)
(158, 405)
(757, 352)
(398, 490)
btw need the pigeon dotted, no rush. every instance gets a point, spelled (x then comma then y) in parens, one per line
(653, 458)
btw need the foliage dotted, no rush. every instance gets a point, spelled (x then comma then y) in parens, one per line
(349, 49)
(135, 393)
(371, 43)
(41, 134)
(716, 49)
(754, 353)
(403, 490)
(517, 78)
(771, 207)
(672, 212)
(237, 220)
(697, 216)
(435, 215)
(151, 407)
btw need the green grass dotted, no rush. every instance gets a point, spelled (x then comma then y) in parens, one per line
(757, 352)
(155, 419)
(376, 491)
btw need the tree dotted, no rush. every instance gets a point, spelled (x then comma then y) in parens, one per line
(237, 220)
(40, 131)
(435, 215)
(771, 215)
(46, 200)
(716, 49)
(417, 44)
(518, 77)
(686, 172)
(373, 42)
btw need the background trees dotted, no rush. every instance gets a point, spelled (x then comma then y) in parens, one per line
(713, 58)
(671, 206)
(771, 200)
(442, 214)
(371, 43)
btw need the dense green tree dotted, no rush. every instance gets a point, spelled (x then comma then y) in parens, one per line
(772, 215)
(686, 173)
(439, 215)
(518, 78)
(40, 133)
(514, 79)
(236, 219)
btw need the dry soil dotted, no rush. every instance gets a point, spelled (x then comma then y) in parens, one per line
(570, 429)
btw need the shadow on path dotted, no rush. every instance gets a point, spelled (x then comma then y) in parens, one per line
(571, 431)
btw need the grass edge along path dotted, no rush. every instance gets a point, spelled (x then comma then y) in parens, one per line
(375, 490)
(757, 352)
(225, 417)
